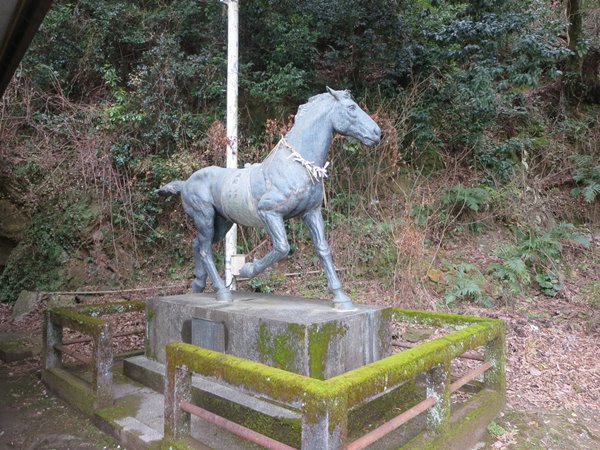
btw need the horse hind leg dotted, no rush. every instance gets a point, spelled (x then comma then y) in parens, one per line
(204, 219)
(222, 226)
(199, 283)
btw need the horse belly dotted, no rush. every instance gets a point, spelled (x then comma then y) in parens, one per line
(237, 203)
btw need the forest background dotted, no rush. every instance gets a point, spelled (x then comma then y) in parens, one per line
(485, 188)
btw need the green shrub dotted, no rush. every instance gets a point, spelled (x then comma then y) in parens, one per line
(268, 283)
(587, 177)
(54, 236)
(455, 203)
(512, 272)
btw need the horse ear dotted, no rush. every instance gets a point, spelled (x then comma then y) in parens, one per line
(334, 93)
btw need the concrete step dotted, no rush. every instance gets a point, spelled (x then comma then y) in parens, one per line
(280, 422)
(18, 346)
(137, 420)
(151, 373)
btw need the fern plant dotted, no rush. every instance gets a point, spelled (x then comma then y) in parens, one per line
(454, 202)
(461, 197)
(542, 251)
(587, 177)
(511, 271)
(537, 253)
(465, 281)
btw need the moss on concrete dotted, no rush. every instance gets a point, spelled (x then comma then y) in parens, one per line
(126, 406)
(465, 427)
(70, 388)
(16, 349)
(150, 313)
(178, 444)
(280, 350)
(100, 309)
(319, 340)
(432, 318)
(330, 400)
(376, 377)
(281, 429)
(15, 345)
(495, 352)
(72, 318)
(371, 414)
(85, 318)
(275, 383)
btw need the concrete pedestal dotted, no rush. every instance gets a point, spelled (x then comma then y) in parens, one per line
(304, 336)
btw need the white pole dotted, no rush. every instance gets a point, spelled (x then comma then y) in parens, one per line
(232, 122)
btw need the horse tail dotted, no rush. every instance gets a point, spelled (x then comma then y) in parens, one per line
(172, 188)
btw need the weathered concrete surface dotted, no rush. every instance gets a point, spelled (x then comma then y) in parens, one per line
(300, 335)
(17, 346)
(144, 370)
(136, 420)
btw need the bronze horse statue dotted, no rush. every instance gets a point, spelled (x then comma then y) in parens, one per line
(288, 183)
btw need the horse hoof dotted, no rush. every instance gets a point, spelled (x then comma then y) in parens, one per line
(247, 270)
(344, 306)
(224, 295)
(341, 302)
(197, 287)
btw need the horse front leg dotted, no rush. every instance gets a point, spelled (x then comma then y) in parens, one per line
(314, 221)
(276, 230)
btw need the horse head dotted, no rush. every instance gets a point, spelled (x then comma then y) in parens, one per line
(350, 120)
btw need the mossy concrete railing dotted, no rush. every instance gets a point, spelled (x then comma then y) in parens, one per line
(85, 319)
(325, 404)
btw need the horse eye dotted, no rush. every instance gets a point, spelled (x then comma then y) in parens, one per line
(352, 107)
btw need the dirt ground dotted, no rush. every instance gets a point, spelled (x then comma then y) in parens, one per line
(32, 418)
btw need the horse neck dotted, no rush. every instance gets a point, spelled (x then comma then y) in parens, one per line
(312, 136)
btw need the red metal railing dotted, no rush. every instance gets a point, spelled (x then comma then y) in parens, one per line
(409, 414)
(237, 429)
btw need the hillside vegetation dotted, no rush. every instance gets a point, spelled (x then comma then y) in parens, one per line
(485, 188)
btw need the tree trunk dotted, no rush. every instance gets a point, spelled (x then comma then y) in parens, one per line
(575, 33)
(572, 83)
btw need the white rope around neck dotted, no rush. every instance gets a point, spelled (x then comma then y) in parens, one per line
(316, 173)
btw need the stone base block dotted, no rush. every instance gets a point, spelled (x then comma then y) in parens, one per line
(300, 335)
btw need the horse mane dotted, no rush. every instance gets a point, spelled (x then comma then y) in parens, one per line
(314, 101)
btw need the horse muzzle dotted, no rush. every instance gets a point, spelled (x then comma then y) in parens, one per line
(373, 137)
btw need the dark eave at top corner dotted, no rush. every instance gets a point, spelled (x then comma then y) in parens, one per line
(21, 20)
